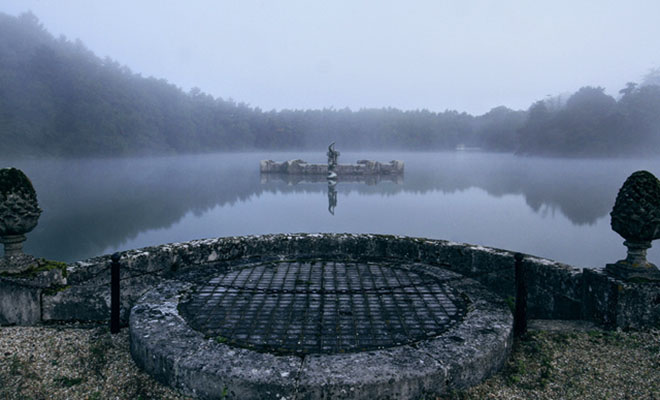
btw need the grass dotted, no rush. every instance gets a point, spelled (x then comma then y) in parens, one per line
(65, 381)
(60, 362)
(594, 364)
(99, 346)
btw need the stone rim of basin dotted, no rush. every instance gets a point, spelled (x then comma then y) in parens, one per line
(164, 345)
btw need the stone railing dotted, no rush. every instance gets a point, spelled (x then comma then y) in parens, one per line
(556, 291)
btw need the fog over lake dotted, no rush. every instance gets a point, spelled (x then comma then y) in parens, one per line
(555, 208)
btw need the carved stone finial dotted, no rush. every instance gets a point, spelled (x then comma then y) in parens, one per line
(19, 213)
(636, 217)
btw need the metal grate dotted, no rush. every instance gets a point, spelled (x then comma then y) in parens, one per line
(305, 307)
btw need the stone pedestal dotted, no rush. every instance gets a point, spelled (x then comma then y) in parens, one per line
(635, 266)
(627, 272)
(637, 253)
(13, 244)
(15, 260)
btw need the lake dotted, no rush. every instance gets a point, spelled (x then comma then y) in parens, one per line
(554, 208)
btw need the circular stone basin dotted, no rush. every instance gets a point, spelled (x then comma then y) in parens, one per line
(319, 307)
(321, 329)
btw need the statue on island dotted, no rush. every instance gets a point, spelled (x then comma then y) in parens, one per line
(333, 155)
(636, 217)
(332, 169)
(19, 213)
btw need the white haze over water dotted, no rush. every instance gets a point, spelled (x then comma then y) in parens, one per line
(469, 56)
(554, 208)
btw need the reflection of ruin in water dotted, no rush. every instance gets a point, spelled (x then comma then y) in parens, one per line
(297, 171)
(332, 196)
(294, 179)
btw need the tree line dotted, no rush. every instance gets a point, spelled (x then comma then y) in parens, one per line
(59, 99)
(591, 123)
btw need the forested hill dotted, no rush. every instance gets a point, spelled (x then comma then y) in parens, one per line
(592, 123)
(59, 99)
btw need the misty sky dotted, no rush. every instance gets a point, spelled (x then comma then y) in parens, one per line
(464, 55)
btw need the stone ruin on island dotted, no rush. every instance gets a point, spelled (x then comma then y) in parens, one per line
(332, 169)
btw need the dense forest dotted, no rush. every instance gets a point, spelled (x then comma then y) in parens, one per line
(59, 99)
(592, 123)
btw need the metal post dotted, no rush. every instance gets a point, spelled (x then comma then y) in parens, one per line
(520, 315)
(114, 294)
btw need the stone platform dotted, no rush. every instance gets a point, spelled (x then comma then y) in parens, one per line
(362, 167)
(321, 328)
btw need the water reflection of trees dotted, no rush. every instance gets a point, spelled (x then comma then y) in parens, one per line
(90, 205)
(583, 191)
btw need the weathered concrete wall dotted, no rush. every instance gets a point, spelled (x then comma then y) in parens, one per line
(615, 303)
(556, 291)
(19, 305)
(20, 296)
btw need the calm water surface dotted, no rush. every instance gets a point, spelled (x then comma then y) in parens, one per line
(554, 208)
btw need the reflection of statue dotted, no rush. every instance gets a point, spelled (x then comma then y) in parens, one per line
(332, 196)
(636, 217)
(333, 155)
(19, 212)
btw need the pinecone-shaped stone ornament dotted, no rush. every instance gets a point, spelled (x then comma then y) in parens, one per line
(636, 217)
(19, 214)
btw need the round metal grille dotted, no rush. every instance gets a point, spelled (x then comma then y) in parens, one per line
(315, 306)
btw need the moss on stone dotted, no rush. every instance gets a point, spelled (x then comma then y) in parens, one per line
(52, 291)
(41, 265)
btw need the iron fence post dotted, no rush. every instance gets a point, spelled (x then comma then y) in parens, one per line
(520, 314)
(114, 294)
